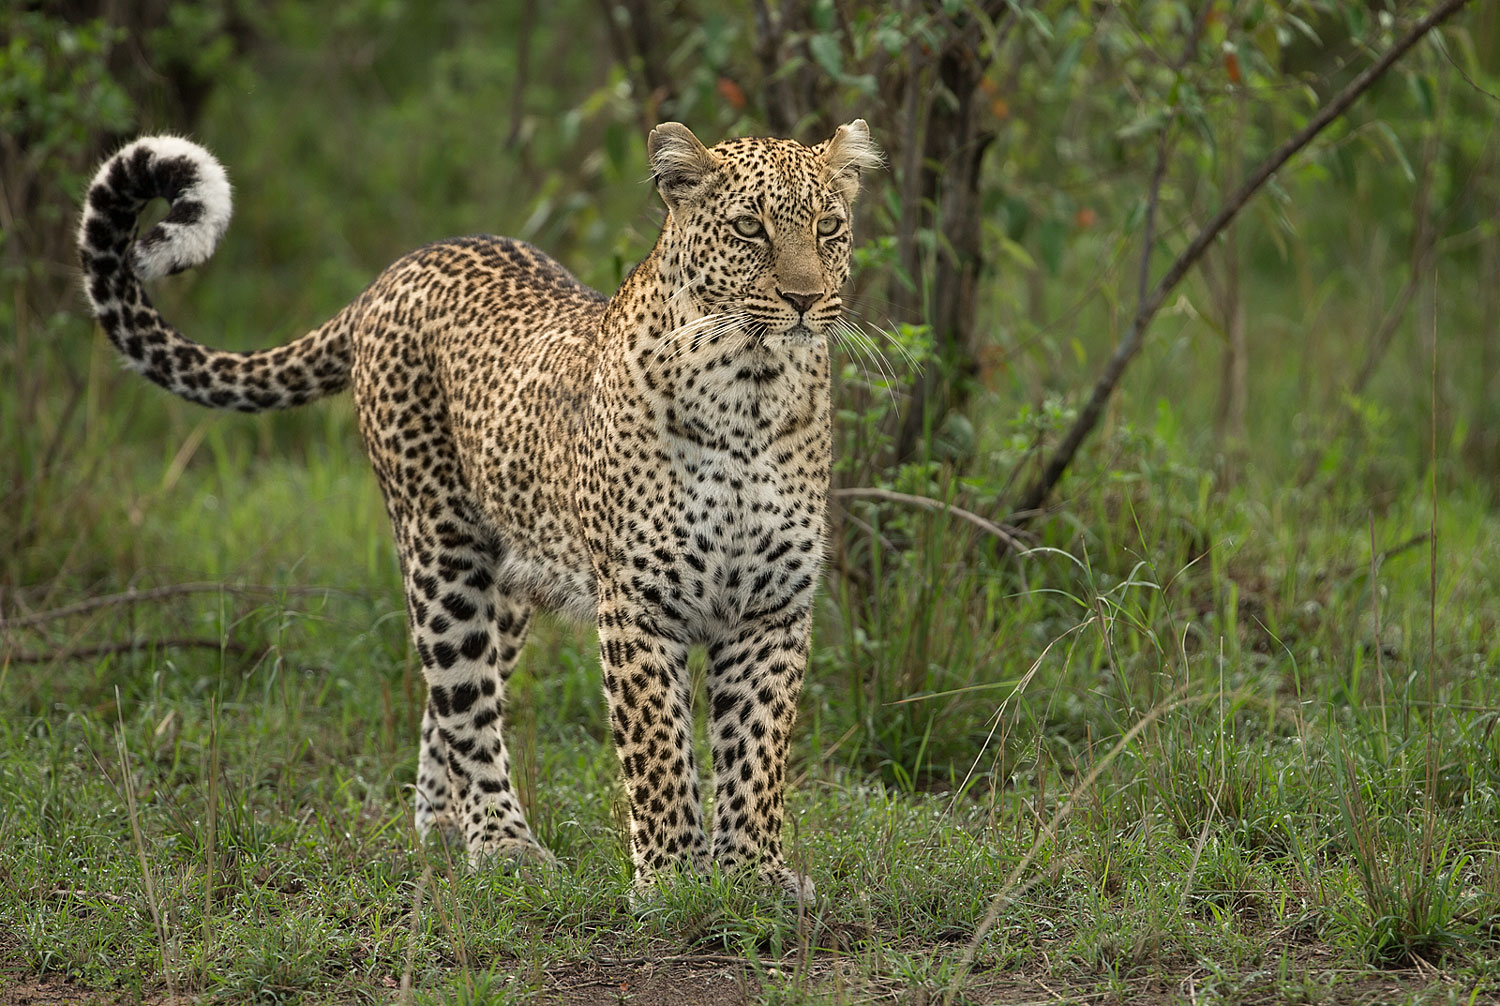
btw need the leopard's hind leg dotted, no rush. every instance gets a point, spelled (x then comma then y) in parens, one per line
(467, 629)
(468, 634)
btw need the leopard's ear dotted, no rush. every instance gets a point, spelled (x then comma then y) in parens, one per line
(846, 153)
(684, 168)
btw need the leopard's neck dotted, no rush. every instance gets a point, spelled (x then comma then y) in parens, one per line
(702, 380)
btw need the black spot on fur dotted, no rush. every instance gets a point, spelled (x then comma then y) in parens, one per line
(171, 175)
(474, 645)
(99, 234)
(184, 212)
(463, 697)
(459, 607)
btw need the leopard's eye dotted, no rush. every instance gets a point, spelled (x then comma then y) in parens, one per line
(748, 227)
(829, 226)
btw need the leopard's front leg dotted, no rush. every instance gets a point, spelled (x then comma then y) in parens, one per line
(755, 678)
(650, 717)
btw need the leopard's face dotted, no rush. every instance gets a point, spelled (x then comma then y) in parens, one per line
(760, 230)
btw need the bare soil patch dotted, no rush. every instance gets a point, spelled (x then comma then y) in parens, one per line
(674, 984)
(718, 981)
(51, 993)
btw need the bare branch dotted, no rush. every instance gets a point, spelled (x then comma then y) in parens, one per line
(768, 39)
(523, 72)
(1376, 560)
(1009, 536)
(1104, 388)
(126, 646)
(1163, 148)
(151, 594)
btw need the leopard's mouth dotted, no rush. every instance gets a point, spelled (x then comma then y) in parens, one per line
(770, 335)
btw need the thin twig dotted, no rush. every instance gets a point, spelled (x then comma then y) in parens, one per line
(1013, 882)
(1376, 558)
(82, 895)
(1423, 246)
(523, 73)
(125, 646)
(407, 994)
(1379, 633)
(1163, 150)
(768, 39)
(1010, 536)
(1088, 416)
(128, 781)
(153, 594)
(1378, 344)
(690, 959)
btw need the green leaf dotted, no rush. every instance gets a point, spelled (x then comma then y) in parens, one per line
(1017, 254)
(1038, 20)
(1354, 17)
(890, 38)
(1421, 85)
(1393, 144)
(617, 141)
(1149, 122)
(825, 50)
(1051, 239)
(1066, 62)
(821, 15)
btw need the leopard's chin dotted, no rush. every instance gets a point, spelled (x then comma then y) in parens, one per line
(799, 334)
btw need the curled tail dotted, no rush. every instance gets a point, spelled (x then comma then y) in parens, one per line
(115, 262)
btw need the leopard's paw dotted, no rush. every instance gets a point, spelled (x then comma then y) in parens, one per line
(439, 826)
(510, 854)
(797, 886)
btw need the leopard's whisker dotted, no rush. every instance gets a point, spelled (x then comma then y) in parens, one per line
(692, 335)
(857, 337)
(697, 281)
(733, 321)
(856, 354)
(866, 350)
(684, 335)
(888, 336)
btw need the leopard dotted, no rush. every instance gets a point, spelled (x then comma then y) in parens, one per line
(656, 462)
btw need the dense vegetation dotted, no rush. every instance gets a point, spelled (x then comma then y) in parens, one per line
(1215, 721)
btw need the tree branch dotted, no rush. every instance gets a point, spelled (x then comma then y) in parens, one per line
(151, 594)
(1104, 388)
(1009, 536)
(126, 646)
(523, 73)
(780, 115)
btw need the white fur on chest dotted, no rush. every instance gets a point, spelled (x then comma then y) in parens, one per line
(734, 511)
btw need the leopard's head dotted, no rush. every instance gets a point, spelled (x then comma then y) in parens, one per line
(758, 233)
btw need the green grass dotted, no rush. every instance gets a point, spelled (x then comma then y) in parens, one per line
(1134, 772)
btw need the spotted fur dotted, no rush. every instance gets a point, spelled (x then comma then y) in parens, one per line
(656, 462)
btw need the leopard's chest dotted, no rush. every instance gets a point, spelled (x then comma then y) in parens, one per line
(746, 533)
(706, 486)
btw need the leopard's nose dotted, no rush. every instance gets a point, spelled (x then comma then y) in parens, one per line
(801, 301)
